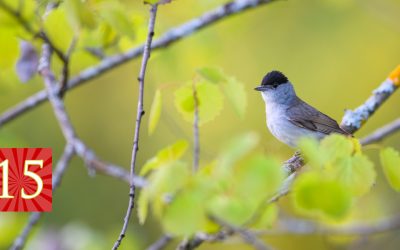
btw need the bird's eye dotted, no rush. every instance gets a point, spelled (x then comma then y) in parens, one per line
(275, 85)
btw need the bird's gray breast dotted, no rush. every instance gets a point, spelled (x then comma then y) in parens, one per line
(284, 130)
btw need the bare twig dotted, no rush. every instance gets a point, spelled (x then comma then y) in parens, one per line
(246, 235)
(381, 133)
(139, 115)
(65, 69)
(354, 119)
(161, 243)
(196, 138)
(59, 171)
(304, 227)
(170, 37)
(67, 129)
(199, 238)
(20, 241)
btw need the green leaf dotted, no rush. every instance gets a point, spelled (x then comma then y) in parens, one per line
(209, 97)
(8, 48)
(314, 194)
(236, 94)
(337, 146)
(390, 161)
(259, 176)
(311, 151)
(58, 29)
(79, 14)
(230, 209)
(143, 205)
(235, 149)
(185, 215)
(214, 75)
(116, 15)
(356, 173)
(164, 182)
(155, 111)
(165, 156)
(268, 217)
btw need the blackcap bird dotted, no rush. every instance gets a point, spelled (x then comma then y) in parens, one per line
(288, 117)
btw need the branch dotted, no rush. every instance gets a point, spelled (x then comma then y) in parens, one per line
(65, 69)
(170, 37)
(304, 227)
(161, 243)
(196, 140)
(199, 238)
(381, 133)
(61, 167)
(139, 115)
(67, 129)
(246, 235)
(354, 119)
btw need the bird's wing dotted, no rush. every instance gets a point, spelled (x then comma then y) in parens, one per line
(305, 116)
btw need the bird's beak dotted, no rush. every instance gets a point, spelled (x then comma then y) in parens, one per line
(261, 88)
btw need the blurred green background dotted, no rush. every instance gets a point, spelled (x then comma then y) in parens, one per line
(334, 51)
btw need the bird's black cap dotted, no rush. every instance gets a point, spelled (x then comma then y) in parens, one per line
(274, 78)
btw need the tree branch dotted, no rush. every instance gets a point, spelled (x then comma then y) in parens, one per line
(170, 37)
(354, 119)
(304, 227)
(196, 138)
(161, 243)
(67, 129)
(139, 115)
(246, 235)
(59, 171)
(382, 132)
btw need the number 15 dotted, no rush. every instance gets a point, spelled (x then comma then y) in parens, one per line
(5, 165)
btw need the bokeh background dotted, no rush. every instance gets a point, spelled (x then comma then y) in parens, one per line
(334, 51)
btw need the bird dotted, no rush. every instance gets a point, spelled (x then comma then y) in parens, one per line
(288, 117)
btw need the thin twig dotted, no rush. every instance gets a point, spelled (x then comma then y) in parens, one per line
(161, 243)
(199, 238)
(245, 234)
(90, 158)
(304, 227)
(139, 115)
(169, 38)
(65, 69)
(196, 138)
(381, 132)
(59, 171)
(354, 119)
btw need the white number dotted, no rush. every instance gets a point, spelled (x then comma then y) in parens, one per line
(28, 173)
(34, 176)
(4, 193)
